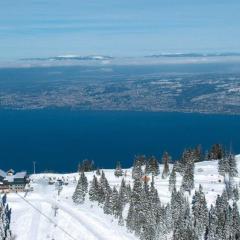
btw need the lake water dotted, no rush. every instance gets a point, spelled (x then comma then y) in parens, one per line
(57, 139)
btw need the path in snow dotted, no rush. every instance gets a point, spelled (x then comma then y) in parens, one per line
(86, 225)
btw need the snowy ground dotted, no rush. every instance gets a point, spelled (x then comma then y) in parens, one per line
(33, 216)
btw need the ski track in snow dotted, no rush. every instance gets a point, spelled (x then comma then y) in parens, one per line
(93, 227)
(35, 222)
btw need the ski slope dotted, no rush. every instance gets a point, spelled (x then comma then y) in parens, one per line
(42, 214)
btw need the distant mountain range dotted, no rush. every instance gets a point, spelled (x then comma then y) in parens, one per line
(224, 54)
(105, 57)
(70, 57)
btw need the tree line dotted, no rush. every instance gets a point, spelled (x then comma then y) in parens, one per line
(186, 216)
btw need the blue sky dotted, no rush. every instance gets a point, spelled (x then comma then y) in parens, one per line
(32, 28)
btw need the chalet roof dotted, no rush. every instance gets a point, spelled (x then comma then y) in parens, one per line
(10, 178)
(20, 175)
(2, 173)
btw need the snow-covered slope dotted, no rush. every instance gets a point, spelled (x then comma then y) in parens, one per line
(33, 216)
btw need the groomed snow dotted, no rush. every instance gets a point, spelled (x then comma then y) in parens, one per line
(33, 217)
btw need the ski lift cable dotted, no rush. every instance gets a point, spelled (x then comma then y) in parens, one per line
(43, 214)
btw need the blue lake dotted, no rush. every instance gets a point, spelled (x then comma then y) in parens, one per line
(57, 139)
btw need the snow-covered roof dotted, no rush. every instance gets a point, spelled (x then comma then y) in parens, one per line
(2, 173)
(20, 175)
(11, 178)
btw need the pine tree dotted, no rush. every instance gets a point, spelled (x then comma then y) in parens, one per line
(223, 166)
(134, 219)
(86, 166)
(229, 187)
(188, 178)
(236, 193)
(178, 203)
(115, 203)
(137, 170)
(81, 189)
(107, 208)
(5, 218)
(222, 212)
(147, 214)
(98, 173)
(94, 189)
(198, 153)
(165, 159)
(216, 152)
(120, 220)
(212, 224)
(118, 171)
(183, 229)
(168, 218)
(172, 180)
(123, 193)
(129, 192)
(130, 221)
(235, 222)
(152, 166)
(104, 188)
(233, 172)
(200, 212)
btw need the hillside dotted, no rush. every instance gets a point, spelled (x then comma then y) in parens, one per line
(33, 216)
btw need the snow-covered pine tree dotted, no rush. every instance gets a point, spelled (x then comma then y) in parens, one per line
(183, 228)
(233, 172)
(172, 180)
(98, 173)
(81, 189)
(229, 186)
(137, 170)
(134, 220)
(104, 188)
(147, 215)
(235, 222)
(165, 160)
(123, 198)
(129, 192)
(211, 234)
(5, 218)
(178, 202)
(158, 214)
(94, 189)
(188, 178)
(236, 193)
(222, 212)
(168, 218)
(152, 166)
(223, 166)
(118, 171)
(107, 208)
(130, 221)
(115, 203)
(200, 212)
(123, 193)
(121, 220)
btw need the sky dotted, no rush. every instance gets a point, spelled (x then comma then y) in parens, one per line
(43, 28)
